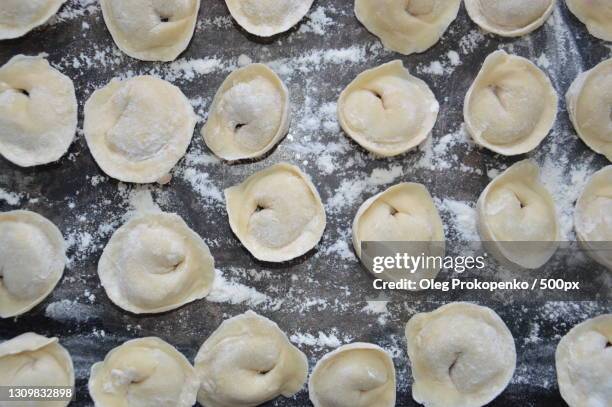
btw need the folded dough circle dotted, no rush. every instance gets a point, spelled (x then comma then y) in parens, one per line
(19, 17)
(593, 217)
(250, 350)
(151, 30)
(595, 14)
(38, 111)
(584, 363)
(144, 372)
(249, 114)
(32, 360)
(266, 18)
(155, 263)
(355, 375)
(589, 103)
(137, 129)
(510, 18)
(403, 213)
(461, 355)
(407, 26)
(32, 260)
(517, 218)
(276, 213)
(511, 106)
(388, 111)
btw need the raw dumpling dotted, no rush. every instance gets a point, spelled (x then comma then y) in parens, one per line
(155, 263)
(137, 129)
(593, 217)
(145, 372)
(403, 213)
(249, 115)
(276, 213)
(250, 350)
(32, 260)
(34, 360)
(407, 26)
(517, 219)
(18, 17)
(266, 18)
(589, 103)
(355, 375)
(509, 18)
(584, 363)
(38, 111)
(511, 106)
(388, 111)
(151, 30)
(596, 14)
(462, 355)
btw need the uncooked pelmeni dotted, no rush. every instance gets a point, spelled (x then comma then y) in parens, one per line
(589, 103)
(584, 363)
(137, 129)
(266, 18)
(593, 217)
(249, 114)
(517, 218)
(151, 30)
(38, 111)
(143, 372)
(32, 360)
(155, 263)
(388, 111)
(19, 17)
(32, 260)
(407, 26)
(595, 14)
(354, 375)
(462, 355)
(251, 350)
(510, 18)
(511, 106)
(403, 213)
(276, 213)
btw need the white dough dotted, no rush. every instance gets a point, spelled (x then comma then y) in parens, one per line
(596, 14)
(32, 260)
(355, 375)
(19, 17)
(388, 111)
(249, 115)
(461, 354)
(511, 106)
(145, 372)
(407, 26)
(151, 30)
(247, 361)
(266, 18)
(510, 18)
(38, 111)
(137, 129)
(276, 213)
(155, 263)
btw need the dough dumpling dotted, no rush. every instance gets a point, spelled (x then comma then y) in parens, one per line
(249, 115)
(19, 17)
(407, 26)
(510, 18)
(388, 111)
(247, 361)
(461, 354)
(596, 14)
(145, 372)
(38, 111)
(32, 260)
(276, 213)
(137, 129)
(355, 375)
(589, 103)
(155, 263)
(266, 18)
(151, 30)
(511, 106)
